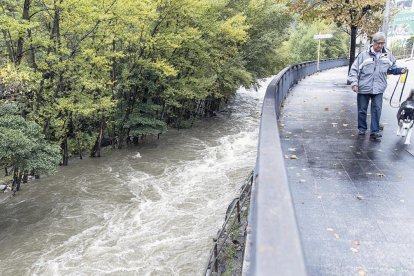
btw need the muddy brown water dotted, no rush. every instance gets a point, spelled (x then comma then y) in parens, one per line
(151, 209)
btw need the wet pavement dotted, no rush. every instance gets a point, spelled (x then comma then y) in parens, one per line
(353, 197)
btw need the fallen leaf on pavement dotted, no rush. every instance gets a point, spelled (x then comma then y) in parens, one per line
(329, 229)
(354, 250)
(293, 156)
(362, 272)
(360, 197)
(380, 174)
(356, 242)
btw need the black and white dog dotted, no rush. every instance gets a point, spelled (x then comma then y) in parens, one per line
(405, 117)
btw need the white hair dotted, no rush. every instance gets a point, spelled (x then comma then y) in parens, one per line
(378, 36)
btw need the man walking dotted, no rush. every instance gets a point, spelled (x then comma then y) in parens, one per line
(368, 78)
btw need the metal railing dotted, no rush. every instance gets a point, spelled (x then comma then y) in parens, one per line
(232, 216)
(273, 245)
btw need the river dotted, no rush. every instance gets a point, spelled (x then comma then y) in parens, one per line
(151, 209)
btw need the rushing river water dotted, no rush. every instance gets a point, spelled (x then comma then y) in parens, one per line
(151, 209)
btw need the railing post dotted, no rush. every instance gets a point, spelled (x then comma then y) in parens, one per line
(215, 259)
(238, 211)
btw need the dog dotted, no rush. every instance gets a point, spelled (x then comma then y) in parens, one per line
(405, 117)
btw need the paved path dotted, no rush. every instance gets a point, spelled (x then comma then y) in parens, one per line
(354, 198)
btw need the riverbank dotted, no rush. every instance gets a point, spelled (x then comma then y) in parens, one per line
(5, 195)
(146, 209)
(5, 188)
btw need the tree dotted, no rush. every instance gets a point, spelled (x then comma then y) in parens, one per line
(23, 146)
(128, 69)
(302, 47)
(269, 27)
(353, 14)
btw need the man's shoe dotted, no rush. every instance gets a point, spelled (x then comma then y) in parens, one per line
(361, 132)
(376, 136)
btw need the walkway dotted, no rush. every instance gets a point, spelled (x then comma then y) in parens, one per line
(354, 198)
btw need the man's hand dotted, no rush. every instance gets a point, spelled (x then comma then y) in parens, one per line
(355, 88)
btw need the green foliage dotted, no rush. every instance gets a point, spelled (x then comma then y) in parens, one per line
(15, 81)
(341, 12)
(303, 47)
(410, 42)
(363, 15)
(81, 142)
(402, 48)
(78, 67)
(23, 145)
(269, 29)
(335, 47)
(142, 123)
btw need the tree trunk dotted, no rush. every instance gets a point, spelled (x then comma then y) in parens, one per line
(80, 148)
(9, 45)
(121, 138)
(57, 43)
(17, 178)
(20, 41)
(123, 131)
(113, 94)
(353, 46)
(65, 154)
(19, 181)
(32, 50)
(25, 177)
(96, 151)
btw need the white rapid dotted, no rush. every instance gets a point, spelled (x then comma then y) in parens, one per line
(151, 209)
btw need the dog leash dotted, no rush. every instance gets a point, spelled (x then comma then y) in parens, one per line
(402, 90)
